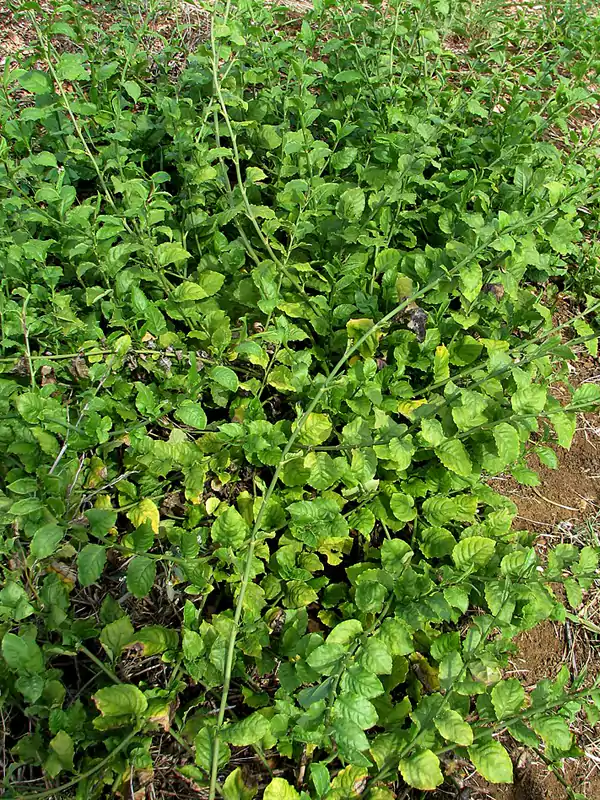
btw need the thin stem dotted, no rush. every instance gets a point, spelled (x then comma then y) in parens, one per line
(58, 790)
(100, 664)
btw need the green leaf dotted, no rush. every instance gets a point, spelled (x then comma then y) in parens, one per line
(573, 592)
(395, 555)
(234, 787)
(170, 253)
(563, 235)
(116, 636)
(452, 727)
(22, 655)
(133, 90)
(370, 596)
(397, 637)
(451, 667)
(357, 680)
(248, 731)
(554, 730)
(547, 456)
(351, 204)
(345, 632)
(270, 137)
(123, 700)
(507, 442)
(349, 737)
(326, 658)
(470, 281)
(422, 770)
(46, 540)
(14, 602)
(386, 259)
(61, 754)
(323, 471)
(403, 506)
(70, 67)
(586, 397)
(319, 775)
(143, 538)
(225, 377)
(432, 432)
(507, 698)
(342, 159)
(230, 529)
(298, 595)
(204, 743)
(529, 400)
(315, 430)
(474, 551)
(475, 108)
(141, 573)
(584, 329)
(192, 414)
(193, 645)
(375, 657)
(210, 282)
(36, 81)
(90, 563)
(453, 455)
(492, 761)
(357, 709)
(155, 639)
(524, 475)
(436, 542)
(101, 520)
(348, 76)
(23, 486)
(280, 789)
(28, 505)
(359, 328)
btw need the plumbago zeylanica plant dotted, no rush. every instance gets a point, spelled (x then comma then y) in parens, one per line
(267, 324)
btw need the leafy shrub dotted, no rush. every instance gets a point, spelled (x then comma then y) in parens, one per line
(267, 325)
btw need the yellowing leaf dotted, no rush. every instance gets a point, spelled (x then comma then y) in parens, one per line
(422, 771)
(146, 511)
(406, 407)
(315, 430)
(441, 364)
(361, 330)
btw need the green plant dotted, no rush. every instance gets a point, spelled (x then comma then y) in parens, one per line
(266, 326)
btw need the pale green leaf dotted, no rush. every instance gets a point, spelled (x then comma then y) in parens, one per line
(280, 789)
(452, 727)
(230, 529)
(120, 701)
(474, 551)
(453, 455)
(315, 430)
(492, 761)
(248, 731)
(507, 697)
(422, 770)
